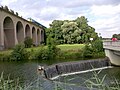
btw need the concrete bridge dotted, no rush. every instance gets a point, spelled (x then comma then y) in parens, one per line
(13, 29)
(112, 50)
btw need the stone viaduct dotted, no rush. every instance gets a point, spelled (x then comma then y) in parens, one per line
(13, 29)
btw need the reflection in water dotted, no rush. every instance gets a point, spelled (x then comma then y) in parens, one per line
(79, 79)
(25, 71)
(28, 73)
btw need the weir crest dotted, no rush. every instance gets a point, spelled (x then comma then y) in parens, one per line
(69, 68)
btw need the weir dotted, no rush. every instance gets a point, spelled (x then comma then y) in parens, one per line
(70, 67)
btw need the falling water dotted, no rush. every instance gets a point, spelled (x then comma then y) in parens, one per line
(70, 67)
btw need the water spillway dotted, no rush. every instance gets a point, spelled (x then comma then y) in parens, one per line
(70, 67)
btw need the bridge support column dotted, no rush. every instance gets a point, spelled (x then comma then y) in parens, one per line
(1, 37)
(16, 41)
(113, 56)
(36, 38)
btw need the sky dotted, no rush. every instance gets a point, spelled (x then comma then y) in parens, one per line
(103, 15)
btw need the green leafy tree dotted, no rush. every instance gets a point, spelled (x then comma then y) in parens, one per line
(19, 53)
(97, 45)
(51, 48)
(55, 31)
(116, 36)
(28, 42)
(87, 31)
(70, 32)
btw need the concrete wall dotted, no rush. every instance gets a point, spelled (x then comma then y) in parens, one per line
(13, 30)
(114, 56)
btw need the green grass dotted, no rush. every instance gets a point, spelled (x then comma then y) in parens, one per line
(66, 47)
(68, 51)
(63, 47)
(6, 51)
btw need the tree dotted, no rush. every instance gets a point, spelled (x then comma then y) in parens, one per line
(116, 36)
(28, 42)
(87, 31)
(55, 31)
(19, 53)
(70, 32)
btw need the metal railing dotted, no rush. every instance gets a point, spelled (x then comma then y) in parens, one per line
(111, 43)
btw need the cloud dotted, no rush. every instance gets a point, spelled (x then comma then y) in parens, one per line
(107, 22)
(103, 15)
(7, 2)
(80, 3)
(105, 10)
(49, 13)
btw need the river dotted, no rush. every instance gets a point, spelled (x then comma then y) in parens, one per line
(27, 71)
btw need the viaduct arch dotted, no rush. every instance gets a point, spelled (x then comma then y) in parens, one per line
(13, 29)
(8, 31)
(20, 32)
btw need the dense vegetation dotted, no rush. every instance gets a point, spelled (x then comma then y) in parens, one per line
(93, 83)
(69, 32)
(56, 52)
(61, 32)
(116, 36)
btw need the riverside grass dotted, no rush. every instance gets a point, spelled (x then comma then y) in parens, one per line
(93, 83)
(63, 47)
(67, 52)
(71, 48)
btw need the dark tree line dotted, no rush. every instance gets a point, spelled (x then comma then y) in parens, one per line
(71, 31)
(116, 36)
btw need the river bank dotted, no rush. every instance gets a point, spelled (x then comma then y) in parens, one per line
(61, 52)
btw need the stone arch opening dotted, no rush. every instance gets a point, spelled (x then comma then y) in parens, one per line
(38, 36)
(27, 31)
(9, 36)
(20, 32)
(34, 35)
(42, 36)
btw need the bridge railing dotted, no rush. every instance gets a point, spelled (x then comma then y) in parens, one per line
(111, 43)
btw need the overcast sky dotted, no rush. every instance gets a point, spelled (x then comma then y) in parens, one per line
(103, 15)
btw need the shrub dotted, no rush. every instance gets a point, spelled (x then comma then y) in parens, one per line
(19, 53)
(97, 45)
(28, 42)
(8, 84)
(87, 51)
(51, 52)
(4, 57)
(41, 54)
(52, 49)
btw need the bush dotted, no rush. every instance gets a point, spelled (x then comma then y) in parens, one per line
(28, 42)
(4, 57)
(97, 45)
(8, 84)
(51, 52)
(52, 49)
(19, 53)
(88, 51)
(41, 54)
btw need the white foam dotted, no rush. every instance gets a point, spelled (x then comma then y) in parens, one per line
(73, 73)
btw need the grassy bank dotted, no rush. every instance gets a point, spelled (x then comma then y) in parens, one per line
(68, 47)
(93, 83)
(65, 51)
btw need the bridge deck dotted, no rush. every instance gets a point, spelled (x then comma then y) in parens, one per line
(112, 45)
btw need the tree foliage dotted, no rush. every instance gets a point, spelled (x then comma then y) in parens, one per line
(71, 31)
(55, 31)
(116, 36)
(28, 42)
(19, 53)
